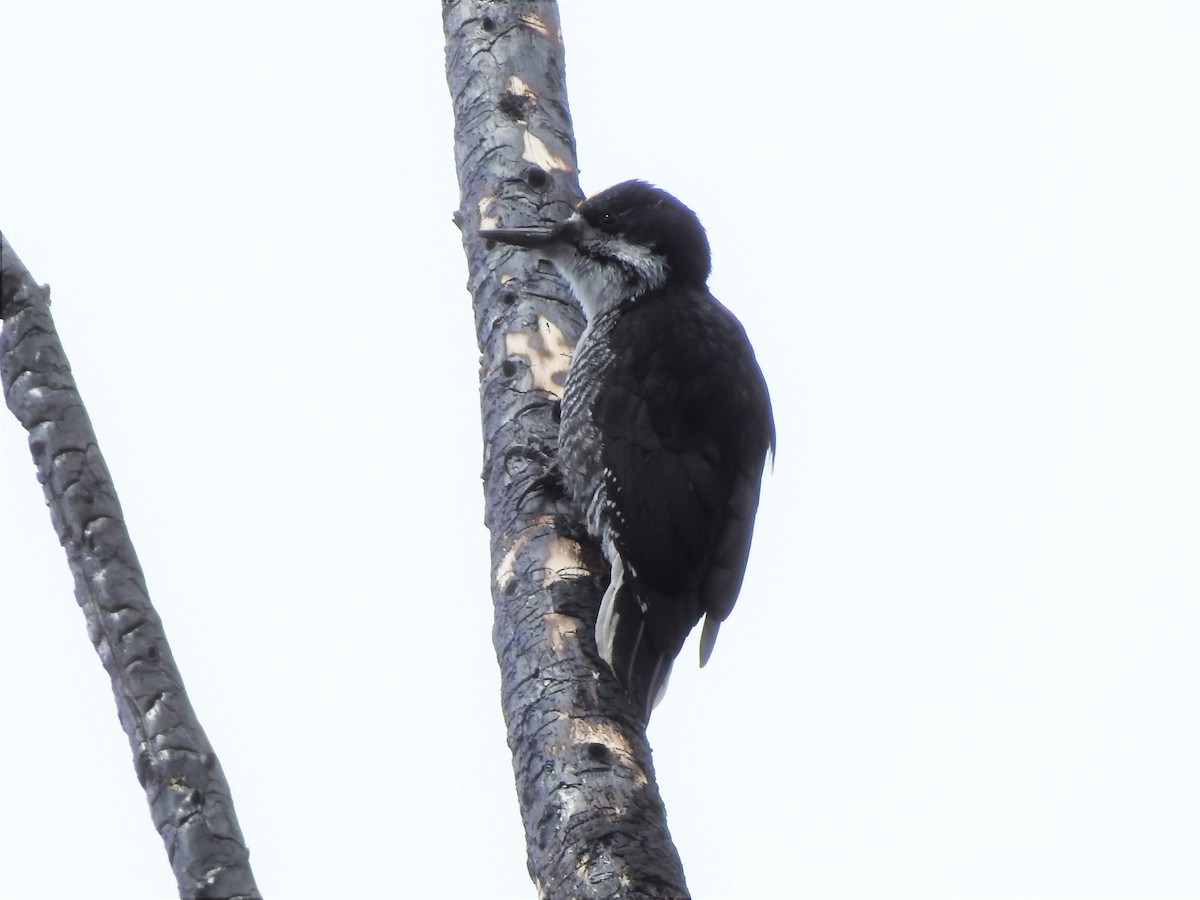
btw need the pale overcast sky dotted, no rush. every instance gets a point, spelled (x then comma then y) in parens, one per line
(963, 237)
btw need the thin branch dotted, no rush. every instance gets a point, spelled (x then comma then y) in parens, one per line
(189, 799)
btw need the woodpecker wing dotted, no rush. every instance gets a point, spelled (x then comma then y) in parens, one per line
(687, 424)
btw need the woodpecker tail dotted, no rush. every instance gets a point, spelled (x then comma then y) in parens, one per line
(708, 637)
(626, 646)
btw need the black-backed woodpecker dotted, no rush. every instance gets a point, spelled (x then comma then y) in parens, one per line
(666, 425)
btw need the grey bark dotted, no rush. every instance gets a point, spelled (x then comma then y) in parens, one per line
(595, 825)
(189, 798)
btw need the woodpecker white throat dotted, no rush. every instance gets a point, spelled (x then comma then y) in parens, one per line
(666, 425)
(602, 269)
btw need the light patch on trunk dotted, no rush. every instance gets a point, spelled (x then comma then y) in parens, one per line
(517, 85)
(535, 151)
(548, 352)
(561, 629)
(507, 570)
(486, 219)
(535, 22)
(563, 557)
(563, 561)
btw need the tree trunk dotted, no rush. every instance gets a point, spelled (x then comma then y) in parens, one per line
(189, 798)
(594, 823)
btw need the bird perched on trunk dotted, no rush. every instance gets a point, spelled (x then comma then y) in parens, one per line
(666, 425)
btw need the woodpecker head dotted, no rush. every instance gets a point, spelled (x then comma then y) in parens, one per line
(619, 244)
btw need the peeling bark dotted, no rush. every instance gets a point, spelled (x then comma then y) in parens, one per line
(189, 798)
(594, 822)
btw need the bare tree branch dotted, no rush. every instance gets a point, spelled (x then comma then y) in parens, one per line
(594, 822)
(189, 798)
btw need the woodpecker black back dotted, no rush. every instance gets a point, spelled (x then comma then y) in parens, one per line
(666, 425)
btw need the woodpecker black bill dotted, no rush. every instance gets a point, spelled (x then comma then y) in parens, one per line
(666, 425)
(531, 236)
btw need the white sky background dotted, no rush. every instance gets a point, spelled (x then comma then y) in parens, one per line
(963, 237)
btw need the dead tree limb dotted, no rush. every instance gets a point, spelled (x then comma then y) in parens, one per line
(594, 823)
(188, 795)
